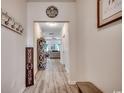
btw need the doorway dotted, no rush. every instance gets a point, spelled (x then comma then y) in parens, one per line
(56, 45)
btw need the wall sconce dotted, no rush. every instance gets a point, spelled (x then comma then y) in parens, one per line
(10, 23)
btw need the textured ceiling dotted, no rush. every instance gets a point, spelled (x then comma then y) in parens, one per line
(51, 0)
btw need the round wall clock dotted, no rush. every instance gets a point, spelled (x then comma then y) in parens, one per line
(52, 11)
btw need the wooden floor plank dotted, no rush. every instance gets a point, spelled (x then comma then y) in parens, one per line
(52, 80)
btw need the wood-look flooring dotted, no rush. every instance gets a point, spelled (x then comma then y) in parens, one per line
(52, 80)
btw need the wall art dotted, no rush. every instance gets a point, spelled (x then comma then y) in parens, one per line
(29, 67)
(9, 22)
(108, 11)
(52, 11)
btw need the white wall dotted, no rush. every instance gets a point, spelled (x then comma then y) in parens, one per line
(37, 34)
(65, 47)
(99, 50)
(13, 49)
(36, 11)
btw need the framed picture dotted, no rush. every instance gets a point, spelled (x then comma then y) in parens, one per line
(108, 11)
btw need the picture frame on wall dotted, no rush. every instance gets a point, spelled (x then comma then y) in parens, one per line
(108, 11)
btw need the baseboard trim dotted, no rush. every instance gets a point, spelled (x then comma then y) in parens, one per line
(71, 82)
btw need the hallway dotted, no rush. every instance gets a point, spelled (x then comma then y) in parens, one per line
(85, 34)
(52, 80)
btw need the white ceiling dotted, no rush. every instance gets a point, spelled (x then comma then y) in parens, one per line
(52, 32)
(51, 0)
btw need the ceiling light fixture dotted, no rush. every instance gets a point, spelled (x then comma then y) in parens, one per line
(51, 24)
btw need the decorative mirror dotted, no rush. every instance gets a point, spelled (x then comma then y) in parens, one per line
(52, 11)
